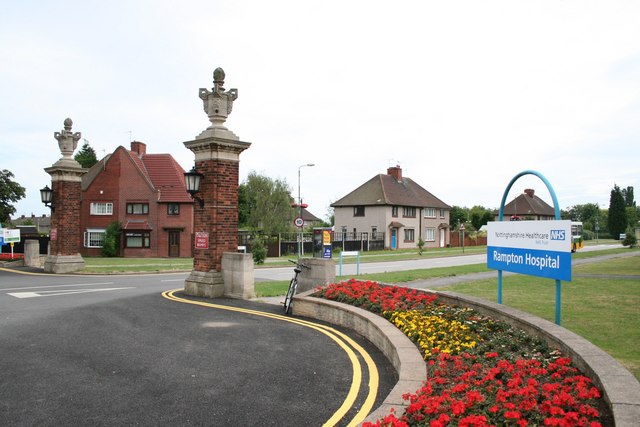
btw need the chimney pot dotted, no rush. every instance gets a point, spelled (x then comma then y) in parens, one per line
(139, 148)
(395, 172)
(530, 192)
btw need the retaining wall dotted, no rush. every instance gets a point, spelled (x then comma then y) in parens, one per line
(620, 388)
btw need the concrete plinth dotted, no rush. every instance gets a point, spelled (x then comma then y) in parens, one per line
(237, 274)
(63, 263)
(322, 272)
(32, 253)
(208, 284)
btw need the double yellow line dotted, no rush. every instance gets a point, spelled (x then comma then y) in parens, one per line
(344, 341)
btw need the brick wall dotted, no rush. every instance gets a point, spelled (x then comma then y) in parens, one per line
(66, 217)
(219, 217)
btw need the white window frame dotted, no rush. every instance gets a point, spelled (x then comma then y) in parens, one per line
(429, 212)
(441, 213)
(94, 237)
(430, 234)
(101, 208)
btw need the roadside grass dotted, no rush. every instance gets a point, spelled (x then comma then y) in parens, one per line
(120, 265)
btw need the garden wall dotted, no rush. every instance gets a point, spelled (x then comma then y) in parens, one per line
(621, 390)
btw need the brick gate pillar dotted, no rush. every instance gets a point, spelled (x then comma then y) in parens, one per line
(217, 157)
(66, 177)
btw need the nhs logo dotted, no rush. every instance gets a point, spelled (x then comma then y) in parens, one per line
(557, 234)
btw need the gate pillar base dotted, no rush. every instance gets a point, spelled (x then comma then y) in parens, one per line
(207, 284)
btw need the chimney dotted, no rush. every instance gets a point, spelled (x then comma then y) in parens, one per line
(530, 192)
(395, 172)
(139, 148)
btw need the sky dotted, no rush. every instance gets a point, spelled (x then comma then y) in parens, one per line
(462, 95)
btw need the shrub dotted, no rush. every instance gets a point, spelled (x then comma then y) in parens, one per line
(258, 250)
(111, 245)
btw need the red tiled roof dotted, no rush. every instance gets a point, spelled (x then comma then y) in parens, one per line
(166, 175)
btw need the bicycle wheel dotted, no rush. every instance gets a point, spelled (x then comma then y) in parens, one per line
(288, 300)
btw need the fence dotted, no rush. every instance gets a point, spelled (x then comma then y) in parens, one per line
(284, 244)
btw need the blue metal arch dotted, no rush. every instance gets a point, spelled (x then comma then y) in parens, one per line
(556, 205)
(556, 208)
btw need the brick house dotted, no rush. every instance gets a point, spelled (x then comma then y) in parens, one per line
(146, 194)
(527, 206)
(397, 206)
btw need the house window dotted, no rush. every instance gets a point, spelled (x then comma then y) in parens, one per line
(409, 235)
(429, 234)
(137, 208)
(101, 208)
(394, 211)
(94, 238)
(358, 211)
(429, 212)
(408, 212)
(441, 213)
(173, 209)
(138, 239)
(374, 232)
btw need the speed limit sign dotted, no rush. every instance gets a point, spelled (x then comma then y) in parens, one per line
(298, 222)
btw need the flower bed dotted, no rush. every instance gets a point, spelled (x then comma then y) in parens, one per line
(481, 372)
(8, 257)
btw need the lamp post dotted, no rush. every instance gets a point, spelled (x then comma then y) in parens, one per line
(300, 249)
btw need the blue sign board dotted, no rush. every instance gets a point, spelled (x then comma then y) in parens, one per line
(535, 248)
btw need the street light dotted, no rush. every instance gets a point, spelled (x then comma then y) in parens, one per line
(300, 248)
(46, 196)
(192, 184)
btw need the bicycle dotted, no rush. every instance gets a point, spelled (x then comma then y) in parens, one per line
(293, 285)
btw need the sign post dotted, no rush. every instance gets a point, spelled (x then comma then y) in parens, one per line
(539, 248)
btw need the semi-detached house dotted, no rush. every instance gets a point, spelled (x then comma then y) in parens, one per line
(146, 194)
(396, 206)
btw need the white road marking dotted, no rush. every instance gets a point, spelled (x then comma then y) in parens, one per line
(55, 286)
(60, 292)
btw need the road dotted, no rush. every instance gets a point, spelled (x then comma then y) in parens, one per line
(111, 350)
(285, 273)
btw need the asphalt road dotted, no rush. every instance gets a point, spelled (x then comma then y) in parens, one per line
(111, 350)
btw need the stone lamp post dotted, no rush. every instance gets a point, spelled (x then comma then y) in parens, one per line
(218, 268)
(66, 177)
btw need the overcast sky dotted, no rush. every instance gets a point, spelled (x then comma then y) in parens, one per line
(463, 95)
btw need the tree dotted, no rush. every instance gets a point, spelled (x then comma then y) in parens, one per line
(617, 221)
(630, 238)
(479, 216)
(588, 213)
(266, 203)
(10, 192)
(458, 215)
(86, 156)
(627, 193)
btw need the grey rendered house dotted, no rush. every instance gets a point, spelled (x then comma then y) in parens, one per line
(396, 206)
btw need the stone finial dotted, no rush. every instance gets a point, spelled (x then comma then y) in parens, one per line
(218, 103)
(67, 140)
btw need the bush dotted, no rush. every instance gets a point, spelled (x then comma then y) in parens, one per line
(111, 245)
(630, 238)
(258, 250)
(588, 235)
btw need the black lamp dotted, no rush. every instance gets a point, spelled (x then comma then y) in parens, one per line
(192, 181)
(46, 195)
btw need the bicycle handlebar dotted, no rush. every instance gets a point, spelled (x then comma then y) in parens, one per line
(299, 264)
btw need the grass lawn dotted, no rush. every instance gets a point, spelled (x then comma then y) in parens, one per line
(117, 265)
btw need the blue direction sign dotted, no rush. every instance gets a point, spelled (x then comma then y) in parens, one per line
(535, 248)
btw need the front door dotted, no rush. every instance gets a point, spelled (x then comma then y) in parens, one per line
(442, 239)
(394, 238)
(174, 243)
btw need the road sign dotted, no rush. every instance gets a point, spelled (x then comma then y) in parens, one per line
(298, 222)
(202, 240)
(535, 248)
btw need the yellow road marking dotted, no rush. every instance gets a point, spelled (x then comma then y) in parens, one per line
(336, 336)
